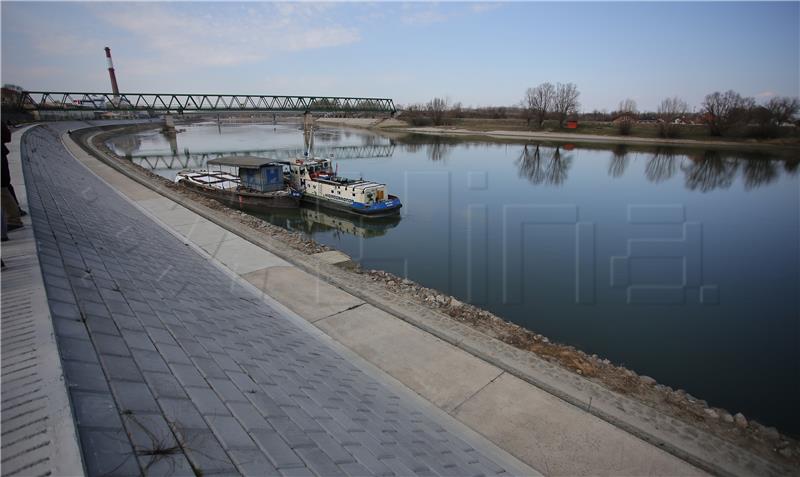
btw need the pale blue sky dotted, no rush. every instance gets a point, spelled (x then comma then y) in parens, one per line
(476, 53)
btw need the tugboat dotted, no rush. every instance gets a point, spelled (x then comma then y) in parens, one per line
(255, 183)
(321, 186)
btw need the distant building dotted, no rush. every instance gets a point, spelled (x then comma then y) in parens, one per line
(624, 118)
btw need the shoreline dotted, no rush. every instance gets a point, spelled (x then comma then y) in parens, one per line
(677, 404)
(524, 136)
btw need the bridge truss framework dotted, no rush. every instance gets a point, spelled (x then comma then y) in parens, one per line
(180, 103)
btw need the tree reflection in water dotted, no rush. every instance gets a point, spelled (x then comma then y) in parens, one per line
(551, 170)
(791, 165)
(709, 170)
(704, 170)
(758, 172)
(661, 166)
(530, 164)
(619, 161)
(438, 151)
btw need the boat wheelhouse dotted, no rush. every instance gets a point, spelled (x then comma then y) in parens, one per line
(322, 186)
(246, 181)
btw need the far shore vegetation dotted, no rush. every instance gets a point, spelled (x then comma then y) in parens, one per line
(555, 108)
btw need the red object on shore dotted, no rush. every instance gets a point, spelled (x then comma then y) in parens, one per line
(572, 124)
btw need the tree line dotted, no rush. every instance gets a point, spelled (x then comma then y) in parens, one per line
(723, 113)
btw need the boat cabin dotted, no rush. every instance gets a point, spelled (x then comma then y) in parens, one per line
(318, 181)
(256, 173)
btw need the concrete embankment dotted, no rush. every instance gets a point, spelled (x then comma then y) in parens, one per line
(553, 419)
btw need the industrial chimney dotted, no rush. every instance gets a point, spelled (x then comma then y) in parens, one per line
(114, 86)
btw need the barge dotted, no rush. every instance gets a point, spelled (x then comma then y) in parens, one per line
(321, 186)
(246, 182)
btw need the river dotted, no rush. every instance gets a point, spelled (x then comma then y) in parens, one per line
(682, 264)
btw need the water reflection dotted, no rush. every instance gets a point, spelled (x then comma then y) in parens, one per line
(758, 173)
(712, 170)
(661, 166)
(125, 145)
(438, 151)
(198, 160)
(552, 169)
(704, 170)
(619, 161)
(310, 221)
(437, 148)
(791, 165)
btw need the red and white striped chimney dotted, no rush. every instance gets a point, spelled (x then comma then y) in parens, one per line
(114, 86)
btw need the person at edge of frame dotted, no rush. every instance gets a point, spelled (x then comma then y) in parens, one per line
(11, 215)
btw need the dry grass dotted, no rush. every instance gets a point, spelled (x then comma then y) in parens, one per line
(607, 129)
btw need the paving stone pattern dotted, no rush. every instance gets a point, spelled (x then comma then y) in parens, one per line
(175, 369)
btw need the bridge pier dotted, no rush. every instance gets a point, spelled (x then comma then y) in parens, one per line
(169, 123)
(308, 138)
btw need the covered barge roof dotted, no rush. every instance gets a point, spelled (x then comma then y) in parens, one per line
(243, 162)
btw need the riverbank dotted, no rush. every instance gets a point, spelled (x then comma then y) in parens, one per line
(671, 418)
(487, 133)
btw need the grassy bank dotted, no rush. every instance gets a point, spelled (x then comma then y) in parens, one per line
(686, 133)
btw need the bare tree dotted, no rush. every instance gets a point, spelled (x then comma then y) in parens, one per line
(670, 110)
(437, 110)
(628, 105)
(538, 102)
(725, 110)
(566, 101)
(456, 110)
(782, 109)
(626, 116)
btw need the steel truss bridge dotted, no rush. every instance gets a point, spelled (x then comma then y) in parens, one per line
(180, 103)
(198, 159)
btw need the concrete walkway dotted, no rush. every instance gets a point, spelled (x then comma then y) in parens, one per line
(177, 366)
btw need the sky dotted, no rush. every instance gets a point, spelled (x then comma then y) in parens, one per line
(479, 54)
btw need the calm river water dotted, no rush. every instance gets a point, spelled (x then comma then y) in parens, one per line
(681, 264)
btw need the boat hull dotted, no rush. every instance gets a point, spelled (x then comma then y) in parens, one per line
(384, 209)
(252, 200)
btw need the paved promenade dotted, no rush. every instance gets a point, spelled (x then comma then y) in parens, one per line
(176, 367)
